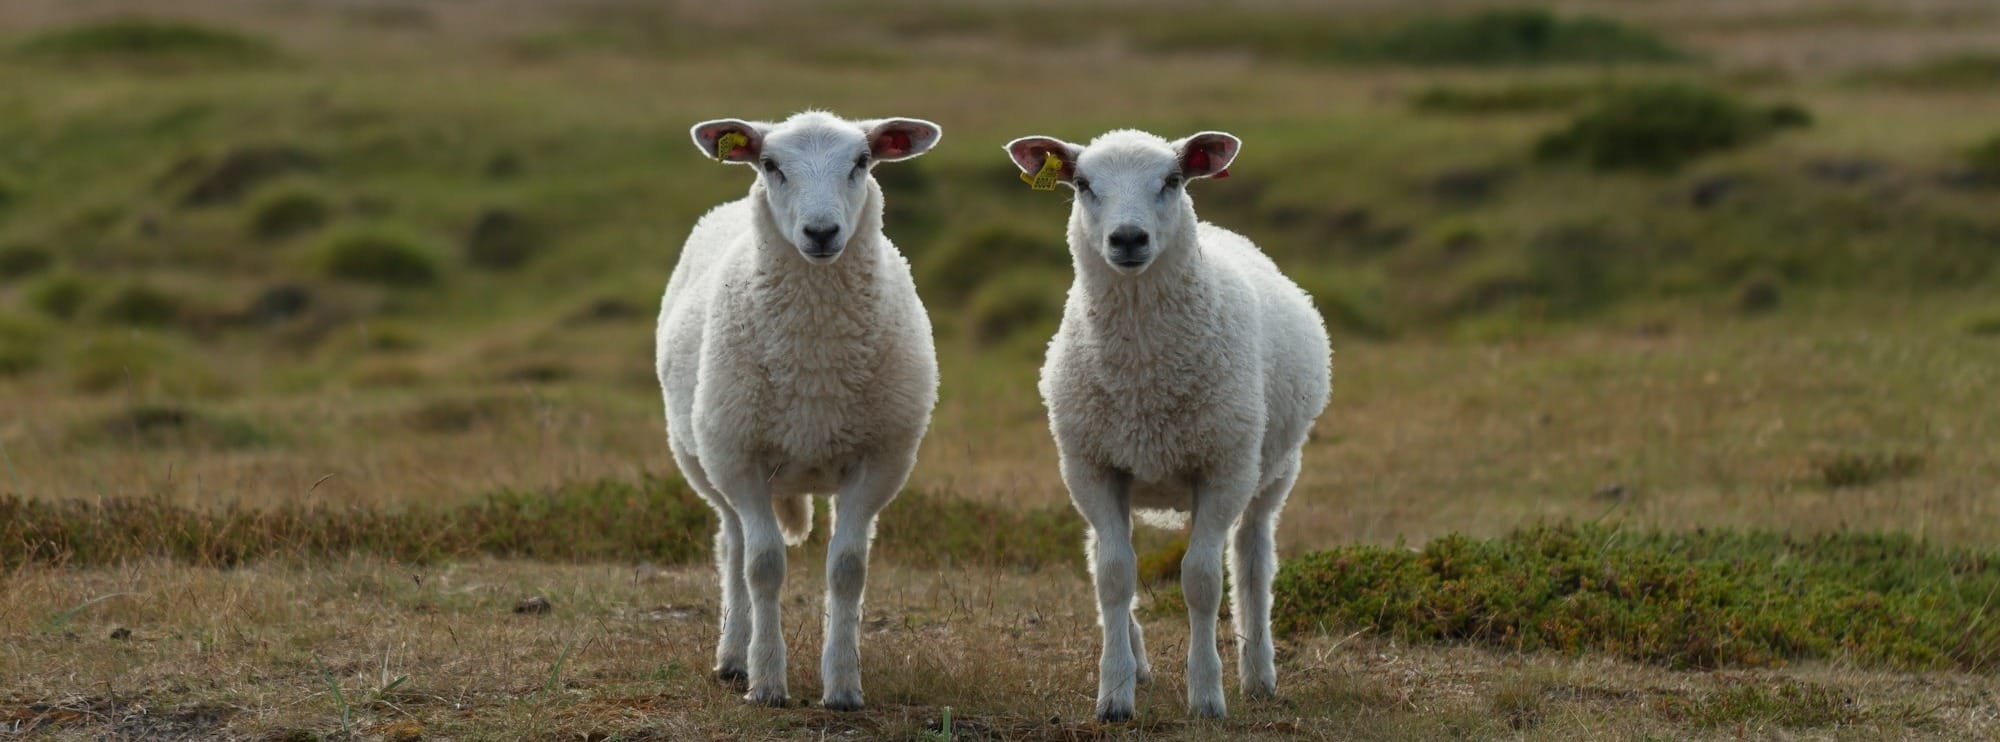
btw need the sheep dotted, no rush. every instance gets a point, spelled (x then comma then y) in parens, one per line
(1185, 376)
(795, 358)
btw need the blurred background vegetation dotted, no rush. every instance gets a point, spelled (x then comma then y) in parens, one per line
(384, 250)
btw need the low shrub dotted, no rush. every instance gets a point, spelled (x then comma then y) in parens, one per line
(141, 305)
(19, 261)
(1015, 303)
(1705, 599)
(147, 40)
(380, 256)
(1663, 126)
(289, 211)
(60, 295)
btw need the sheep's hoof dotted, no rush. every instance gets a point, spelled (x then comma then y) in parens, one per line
(1113, 713)
(849, 701)
(1208, 709)
(774, 698)
(1145, 675)
(735, 676)
(1259, 692)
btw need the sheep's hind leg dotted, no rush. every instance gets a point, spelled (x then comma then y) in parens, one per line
(876, 483)
(1103, 498)
(1143, 668)
(733, 643)
(764, 574)
(1253, 562)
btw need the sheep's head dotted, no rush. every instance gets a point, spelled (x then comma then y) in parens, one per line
(815, 169)
(1131, 197)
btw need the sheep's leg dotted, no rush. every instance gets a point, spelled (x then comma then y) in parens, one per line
(1102, 496)
(1143, 668)
(734, 640)
(871, 489)
(734, 646)
(1253, 562)
(1201, 584)
(764, 574)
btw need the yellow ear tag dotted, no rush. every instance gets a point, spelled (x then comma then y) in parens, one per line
(1045, 179)
(728, 143)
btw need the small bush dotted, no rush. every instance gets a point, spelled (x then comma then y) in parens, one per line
(1985, 324)
(1953, 71)
(949, 275)
(171, 426)
(138, 363)
(22, 261)
(141, 305)
(1524, 36)
(1683, 600)
(1850, 469)
(1661, 127)
(1014, 303)
(502, 240)
(1984, 159)
(138, 39)
(22, 344)
(289, 211)
(60, 295)
(378, 256)
(239, 171)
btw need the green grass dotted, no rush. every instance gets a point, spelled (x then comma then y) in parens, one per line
(1527, 36)
(388, 257)
(1524, 97)
(149, 40)
(1711, 598)
(1970, 71)
(1662, 127)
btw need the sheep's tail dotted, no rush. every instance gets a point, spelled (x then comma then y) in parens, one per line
(795, 518)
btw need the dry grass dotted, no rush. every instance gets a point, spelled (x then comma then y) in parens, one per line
(624, 650)
(1840, 410)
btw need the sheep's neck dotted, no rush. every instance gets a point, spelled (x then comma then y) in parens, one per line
(1153, 313)
(818, 304)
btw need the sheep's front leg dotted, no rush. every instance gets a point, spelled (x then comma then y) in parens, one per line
(764, 574)
(1253, 562)
(1103, 498)
(868, 491)
(1216, 508)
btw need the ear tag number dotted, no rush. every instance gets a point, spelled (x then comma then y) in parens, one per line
(728, 143)
(1045, 179)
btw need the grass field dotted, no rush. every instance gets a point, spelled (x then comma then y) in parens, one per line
(325, 339)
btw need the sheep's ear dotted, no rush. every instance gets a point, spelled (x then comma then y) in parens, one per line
(890, 140)
(729, 140)
(1207, 154)
(1031, 154)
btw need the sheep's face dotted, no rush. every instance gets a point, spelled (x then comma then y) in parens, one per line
(814, 168)
(1131, 197)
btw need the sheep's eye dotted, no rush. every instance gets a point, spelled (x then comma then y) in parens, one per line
(1173, 181)
(861, 162)
(1083, 184)
(771, 166)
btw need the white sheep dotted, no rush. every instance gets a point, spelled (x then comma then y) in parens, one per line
(1185, 376)
(796, 359)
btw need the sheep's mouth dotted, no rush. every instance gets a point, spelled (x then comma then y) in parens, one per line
(818, 256)
(1130, 265)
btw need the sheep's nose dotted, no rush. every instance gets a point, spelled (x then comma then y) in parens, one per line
(822, 236)
(1128, 238)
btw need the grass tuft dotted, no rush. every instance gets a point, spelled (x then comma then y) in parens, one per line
(1696, 600)
(288, 211)
(141, 305)
(380, 256)
(59, 295)
(1663, 126)
(1850, 469)
(148, 40)
(19, 261)
(1016, 303)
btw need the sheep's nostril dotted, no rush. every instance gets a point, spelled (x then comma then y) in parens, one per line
(1128, 238)
(822, 237)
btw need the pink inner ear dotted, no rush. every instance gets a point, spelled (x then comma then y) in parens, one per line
(1197, 161)
(899, 142)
